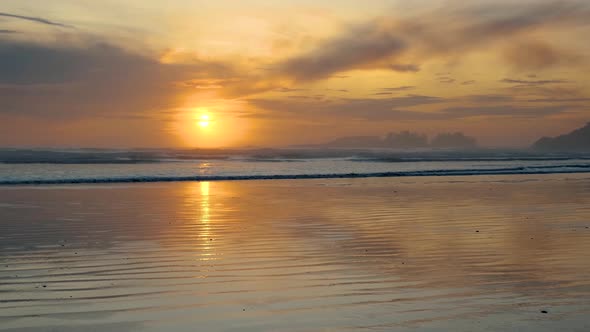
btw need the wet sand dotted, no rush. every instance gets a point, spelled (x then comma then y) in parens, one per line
(477, 253)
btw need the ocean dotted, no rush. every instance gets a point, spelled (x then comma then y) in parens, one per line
(63, 166)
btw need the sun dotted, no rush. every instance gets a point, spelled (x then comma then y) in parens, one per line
(204, 121)
(208, 126)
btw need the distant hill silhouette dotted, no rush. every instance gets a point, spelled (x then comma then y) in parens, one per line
(453, 140)
(405, 140)
(355, 142)
(577, 140)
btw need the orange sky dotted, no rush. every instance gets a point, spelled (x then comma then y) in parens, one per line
(144, 73)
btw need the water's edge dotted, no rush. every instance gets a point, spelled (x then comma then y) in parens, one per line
(466, 172)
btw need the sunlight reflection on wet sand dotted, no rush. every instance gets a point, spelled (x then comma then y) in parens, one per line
(452, 253)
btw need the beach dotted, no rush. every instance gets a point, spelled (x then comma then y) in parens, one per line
(440, 253)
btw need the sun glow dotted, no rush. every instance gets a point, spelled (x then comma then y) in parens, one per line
(214, 125)
(204, 121)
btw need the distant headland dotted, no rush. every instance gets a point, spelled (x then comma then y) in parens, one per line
(577, 140)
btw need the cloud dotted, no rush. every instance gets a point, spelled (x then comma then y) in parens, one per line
(553, 91)
(343, 53)
(405, 68)
(315, 97)
(358, 108)
(454, 30)
(446, 80)
(504, 110)
(207, 83)
(533, 82)
(35, 19)
(396, 108)
(287, 90)
(89, 79)
(399, 88)
(488, 98)
(25, 63)
(404, 43)
(527, 55)
(559, 100)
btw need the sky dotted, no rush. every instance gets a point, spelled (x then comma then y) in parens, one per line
(191, 73)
